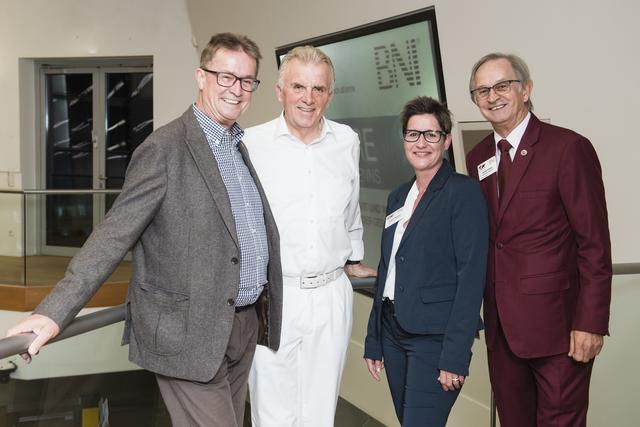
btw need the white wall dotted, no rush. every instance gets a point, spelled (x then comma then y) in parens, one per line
(93, 28)
(582, 55)
(90, 28)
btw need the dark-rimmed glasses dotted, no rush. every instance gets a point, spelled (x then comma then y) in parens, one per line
(227, 80)
(500, 88)
(431, 136)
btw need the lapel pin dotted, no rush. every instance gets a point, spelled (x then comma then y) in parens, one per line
(523, 153)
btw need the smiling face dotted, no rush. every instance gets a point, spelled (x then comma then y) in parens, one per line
(504, 111)
(225, 104)
(423, 156)
(305, 95)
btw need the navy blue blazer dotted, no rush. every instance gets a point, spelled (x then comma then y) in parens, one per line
(440, 267)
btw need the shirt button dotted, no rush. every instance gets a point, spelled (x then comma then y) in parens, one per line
(234, 260)
(401, 259)
(230, 302)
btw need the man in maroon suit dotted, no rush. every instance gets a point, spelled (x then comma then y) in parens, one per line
(548, 287)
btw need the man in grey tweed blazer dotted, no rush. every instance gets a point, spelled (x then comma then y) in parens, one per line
(205, 251)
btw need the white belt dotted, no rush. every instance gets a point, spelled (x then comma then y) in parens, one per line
(311, 282)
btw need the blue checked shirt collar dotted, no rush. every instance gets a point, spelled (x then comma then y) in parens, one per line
(214, 131)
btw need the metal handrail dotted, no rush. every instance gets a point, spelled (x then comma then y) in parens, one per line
(20, 343)
(366, 283)
(626, 268)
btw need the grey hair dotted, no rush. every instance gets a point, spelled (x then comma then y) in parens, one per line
(306, 55)
(517, 63)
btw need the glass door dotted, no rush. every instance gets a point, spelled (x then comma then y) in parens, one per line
(68, 156)
(93, 119)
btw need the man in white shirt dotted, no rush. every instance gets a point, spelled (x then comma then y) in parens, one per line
(308, 166)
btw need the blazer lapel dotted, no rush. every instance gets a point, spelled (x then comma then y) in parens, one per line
(521, 162)
(389, 232)
(489, 185)
(208, 168)
(433, 188)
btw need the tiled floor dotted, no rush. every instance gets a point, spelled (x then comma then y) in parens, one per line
(347, 415)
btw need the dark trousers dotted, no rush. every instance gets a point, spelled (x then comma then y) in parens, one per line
(219, 402)
(548, 391)
(411, 363)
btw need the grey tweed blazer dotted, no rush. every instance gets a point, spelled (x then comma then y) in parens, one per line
(174, 212)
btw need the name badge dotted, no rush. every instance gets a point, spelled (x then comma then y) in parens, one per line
(394, 217)
(487, 167)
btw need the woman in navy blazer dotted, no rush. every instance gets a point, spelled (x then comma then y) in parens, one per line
(426, 308)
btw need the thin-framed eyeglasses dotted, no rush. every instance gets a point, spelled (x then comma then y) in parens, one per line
(224, 79)
(500, 88)
(431, 136)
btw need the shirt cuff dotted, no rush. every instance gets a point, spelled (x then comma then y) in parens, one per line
(357, 250)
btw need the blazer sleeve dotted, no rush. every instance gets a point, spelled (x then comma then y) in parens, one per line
(141, 197)
(582, 192)
(470, 232)
(372, 342)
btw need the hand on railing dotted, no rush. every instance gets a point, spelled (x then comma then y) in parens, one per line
(43, 327)
(359, 270)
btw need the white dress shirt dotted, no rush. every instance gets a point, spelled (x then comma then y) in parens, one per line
(514, 138)
(313, 192)
(390, 283)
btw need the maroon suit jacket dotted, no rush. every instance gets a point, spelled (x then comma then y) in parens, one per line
(549, 266)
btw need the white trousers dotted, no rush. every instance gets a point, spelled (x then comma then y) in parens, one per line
(298, 385)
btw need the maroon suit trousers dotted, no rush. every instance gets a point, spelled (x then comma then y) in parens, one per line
(550, 391)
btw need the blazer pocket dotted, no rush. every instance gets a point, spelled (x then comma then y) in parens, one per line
(544, 283)
(159, 318)
(442, 293)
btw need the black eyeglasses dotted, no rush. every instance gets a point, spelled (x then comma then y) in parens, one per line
(431, 136)
(227, 80)
(500, 88)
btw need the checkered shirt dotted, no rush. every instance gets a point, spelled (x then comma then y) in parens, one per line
(246, 206)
